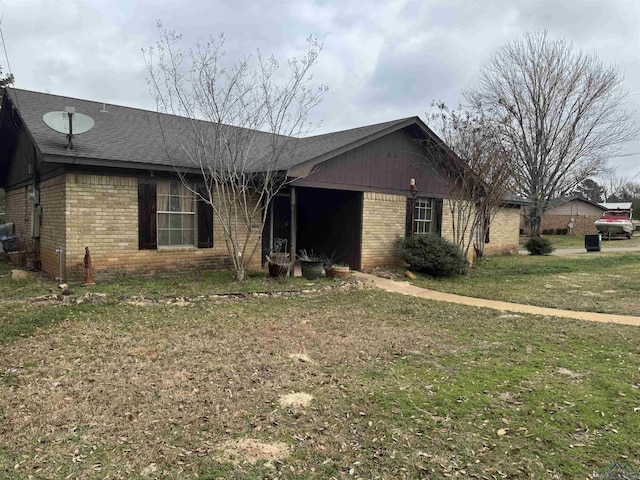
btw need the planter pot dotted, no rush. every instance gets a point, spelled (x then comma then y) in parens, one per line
(33, 264)
(338, 271)
(278, 264)
(311, 269)
(278, 269)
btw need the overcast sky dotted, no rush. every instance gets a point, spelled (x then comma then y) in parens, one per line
(381, 60)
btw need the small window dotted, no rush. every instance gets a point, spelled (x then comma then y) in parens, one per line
(176, 215)
(423, 220)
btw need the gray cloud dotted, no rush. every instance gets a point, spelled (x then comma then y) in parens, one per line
(381, 60)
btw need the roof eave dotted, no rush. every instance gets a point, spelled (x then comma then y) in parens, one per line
(100, 162)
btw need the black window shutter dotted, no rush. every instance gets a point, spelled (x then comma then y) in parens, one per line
(438, 218)
(408, 226)
(147, 208)
(205, 224)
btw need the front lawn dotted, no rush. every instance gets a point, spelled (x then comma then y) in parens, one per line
(400, 388)
(595, 283)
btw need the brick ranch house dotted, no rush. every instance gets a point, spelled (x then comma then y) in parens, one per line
(562, 211)
(114, 191)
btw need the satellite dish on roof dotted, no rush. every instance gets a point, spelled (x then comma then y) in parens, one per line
(68, 122)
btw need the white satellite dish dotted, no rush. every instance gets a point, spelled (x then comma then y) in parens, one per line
(68, 122)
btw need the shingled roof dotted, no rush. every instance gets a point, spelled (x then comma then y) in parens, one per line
(554, 202)
(131, 137)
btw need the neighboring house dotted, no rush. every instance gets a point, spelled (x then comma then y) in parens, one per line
(575, 210)
(117, 193)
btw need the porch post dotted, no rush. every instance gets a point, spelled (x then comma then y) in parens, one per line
(271, 224)
(293, 227)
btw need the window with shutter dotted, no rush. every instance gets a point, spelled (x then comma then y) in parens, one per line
(176, 214)
(427, 216)
(168, 214)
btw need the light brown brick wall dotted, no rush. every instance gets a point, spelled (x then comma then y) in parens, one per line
(19, 209)
(102, 213)
(447, 226)
(383, 221)
(583, 225)
(52, 224)
(504, 233)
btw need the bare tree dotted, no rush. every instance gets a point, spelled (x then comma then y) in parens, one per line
(560, 112)
(474, 167)
(236, 124)
(616, 187)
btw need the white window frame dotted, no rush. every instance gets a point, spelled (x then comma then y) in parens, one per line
(424, 216)
(181, 200)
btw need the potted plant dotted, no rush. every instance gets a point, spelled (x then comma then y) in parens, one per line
(328, 261)
(339, 270)
(311, 265)
(279, 264)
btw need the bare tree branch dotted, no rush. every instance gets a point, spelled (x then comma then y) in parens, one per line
(474, 166)
(236, 124)
(560, 113)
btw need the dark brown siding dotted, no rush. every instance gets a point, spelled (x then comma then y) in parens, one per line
(385, 165)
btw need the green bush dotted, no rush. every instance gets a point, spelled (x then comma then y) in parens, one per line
(558, 231)
(432, 255)
(539, 246)
(565, 231)
(547, 232)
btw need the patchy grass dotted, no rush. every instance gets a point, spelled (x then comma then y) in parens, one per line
(22, 303)
(577, 241)
(192, 284)
(596, 283)
(401, 388)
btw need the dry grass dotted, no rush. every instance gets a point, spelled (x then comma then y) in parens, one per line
(401, 388)
(607, 282)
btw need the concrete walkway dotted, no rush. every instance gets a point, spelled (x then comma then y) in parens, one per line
(406, 288)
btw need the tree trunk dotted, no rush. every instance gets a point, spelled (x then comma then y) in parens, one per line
(240, 274)
(534, 221)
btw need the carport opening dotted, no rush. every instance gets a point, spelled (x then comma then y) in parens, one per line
(330, 222)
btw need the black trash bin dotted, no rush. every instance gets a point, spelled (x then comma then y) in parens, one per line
(10, 243)
(593, 243)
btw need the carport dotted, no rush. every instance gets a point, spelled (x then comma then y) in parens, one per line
(327, 222)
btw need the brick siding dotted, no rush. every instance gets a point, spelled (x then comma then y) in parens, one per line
(52, 224)
(582, 224)
(101, 212)
(504, 232)
(383, 222)
(19, 211)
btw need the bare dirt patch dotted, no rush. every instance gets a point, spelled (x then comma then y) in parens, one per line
(251, 451)
(296, 400)
(569, 373)
(301, 357)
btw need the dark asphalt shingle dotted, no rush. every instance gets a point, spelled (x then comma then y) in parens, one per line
(131, 135)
